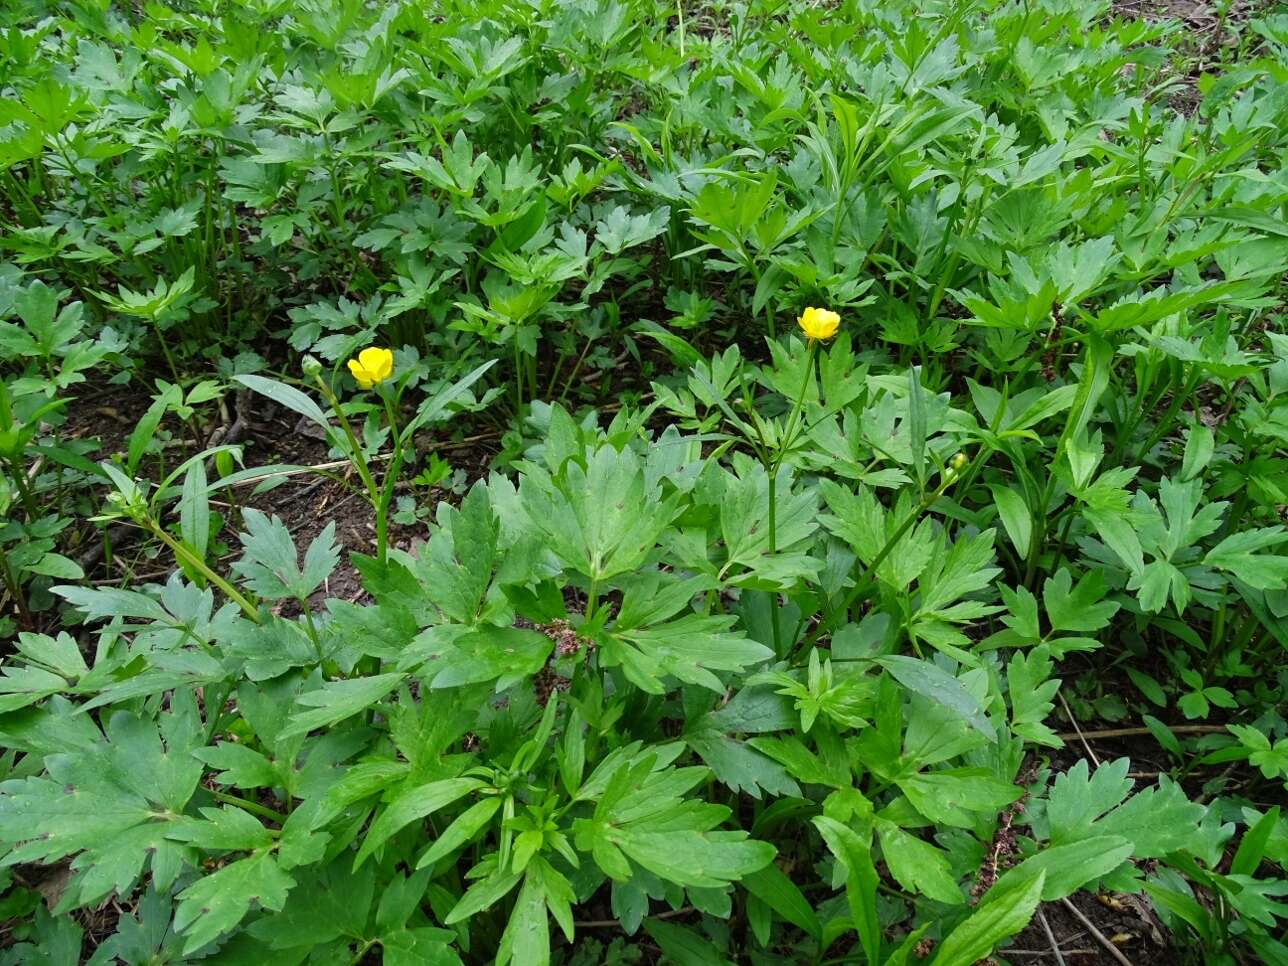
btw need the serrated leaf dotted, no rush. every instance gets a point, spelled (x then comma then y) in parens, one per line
(409, 805)
(689, 648)
(270, 566)
(216, 903)
(337, 700)
(931, 681)
(917, 865)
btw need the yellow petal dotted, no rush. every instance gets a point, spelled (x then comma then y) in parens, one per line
(360, 373)
(819, 323)
(378, 362)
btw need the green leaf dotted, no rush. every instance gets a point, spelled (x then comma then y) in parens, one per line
(952, 796)
(337, 700)
(931, 681)
(463, 828)
(410, 805)
(270, 566)
(772, 886)
(1157, 821)
(482, 895)
(328, 901)
(683, 946)
(855, 856)
(194, 509)
(526, 940)
(1199, 446)
(1068, 868)
(1030, 689)
(1005, 910)
(107, 803)
(216, 903)
(421, 946)
(1079, 609)
(438, 405)
(583, 513)
(642, 816)
(145, 430)
(1237, 555)
(689, 648)
(741, 767)
(454, 655)
(1253, 845)
(1016, 519)
(455, 566)
(287, 396)
(917, 865)
(57, 566)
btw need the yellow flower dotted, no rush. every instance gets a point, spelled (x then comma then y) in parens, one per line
(373, 365)
(819, 324)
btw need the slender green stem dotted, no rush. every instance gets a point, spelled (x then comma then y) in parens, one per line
(253, 807)
(773, 509)
(311, 627)
(518, 379)
(184, 554)
(390, 480)
(785, 445)
(19, 474)
(355, 449)
(165, 350)
(14, 588)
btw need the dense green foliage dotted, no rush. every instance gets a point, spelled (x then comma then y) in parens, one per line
(759, 645)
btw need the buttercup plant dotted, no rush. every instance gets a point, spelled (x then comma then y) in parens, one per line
(372, 368)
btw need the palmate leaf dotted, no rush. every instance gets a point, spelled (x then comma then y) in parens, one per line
(1156, 821)
(643, 819)
(270, 566)
(601, 520)
(1030, 689)
(743, 501)
(688, 648)
(916, 864)
(455, 567)
(111, 805)
(329, 901)
(216, 903)
(1080, 608)
(454, 655)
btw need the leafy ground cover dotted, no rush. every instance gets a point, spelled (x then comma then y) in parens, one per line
(621, 481)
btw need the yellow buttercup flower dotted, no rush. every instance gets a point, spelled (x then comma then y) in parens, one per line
(819, 324)
(373, 365)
